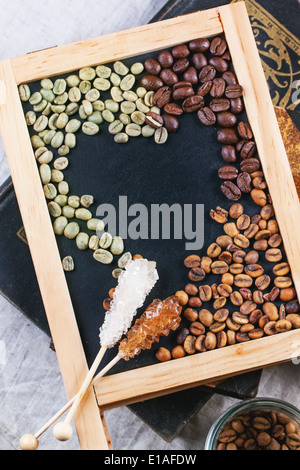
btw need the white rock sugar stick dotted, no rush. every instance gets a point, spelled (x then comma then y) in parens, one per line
(134, 285)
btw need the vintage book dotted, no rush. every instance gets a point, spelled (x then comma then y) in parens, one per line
(280, 53)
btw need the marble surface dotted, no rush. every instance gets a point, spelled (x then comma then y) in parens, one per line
(31, 387)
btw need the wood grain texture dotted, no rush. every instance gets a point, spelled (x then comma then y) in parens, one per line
(46, 258)
(116, 46)
(262, 117)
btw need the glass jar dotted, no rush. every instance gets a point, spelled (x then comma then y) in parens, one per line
(255, 404)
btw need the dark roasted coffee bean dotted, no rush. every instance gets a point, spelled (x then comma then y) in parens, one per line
(205, 88)
(233, 91)
(247, 149)
(152, 82)
(208, 73)
(183, 333)
(218, 46)
(244, 130)
(292, 307)
(229, 154)
(180, 52)
(237, 105)
(220, 64)
(168, 77)
(226, 119)
(191, 75)
(227, 136)
(207, 116)
(162, 96)
(154, 120)
(199, 45)
(231, 191)
(193, 103)
(199, 60)
(174, 109)
(152, 66)
(228, 173)
(250, 165)
(181, 66)
(229, 78)
(182, 90)
(218, 105)
(165, 59)
(171, 123)
(218, 88)
(244, 182)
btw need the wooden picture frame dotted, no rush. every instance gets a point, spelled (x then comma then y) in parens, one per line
(163, 378)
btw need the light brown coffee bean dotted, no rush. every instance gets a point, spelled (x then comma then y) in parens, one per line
(221, 315)
(219, 302)
(163, 355)
(219, 267)
(200, 343)
(190, 314)
(251, 231)
(271, 311)
(214, 250)
(224, 290)
(275, 240)
(259, 197)
(197, 329)
(241, 241)
(197, 274)
(283, 282)
(256, 333)
(254, 270)
(243, 280)
(206, 263)
(231, 229)
(205, 293)
(232, 325)
(178, 352)
(182, 297)
(206, 317)
(273, 255)
(236, 268)
(189, 344)
(248, 307)
(236, 211)
(191, 289)
(281, 269)
(236, 299)
(263, 282)
(240, 318)
(210, 341)
(192, 261)
(252, 257)
(283, 325)
(228, 435)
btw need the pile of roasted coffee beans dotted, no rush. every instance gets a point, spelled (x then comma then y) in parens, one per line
(260, 430)
(249, 301)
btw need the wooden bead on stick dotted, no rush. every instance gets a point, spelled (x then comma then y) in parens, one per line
(29, 442)
(62, 431)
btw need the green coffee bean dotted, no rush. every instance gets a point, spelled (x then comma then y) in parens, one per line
(121, 138)
(41, 124)
(83, 214)
(108, 116)
(128, 82)
(125, 119)
(54, 209)
(102, 84)
(117, 273)
(155, 110)
(138, 117)
(68, 264)
(74, 201)
(141, 91)
(133, 130)
(96, 118)
(115, 127)
(86, 109)
(45, 173)
(137, 68)
(47, 111)
(117, 246)
(112, 106)
(42, 134)
(39, 108)
(50, 191)
(124, 260)
(61, 99)
(148, 131)
(59, 225)
(82, 113)
(128, 107)
(70, 140)
(63, 188)
(71, 230)
(130, 96)
(37, 142)
(74, 94)
(63, 150)
(61, 108)
(52, 121)
(47, 84)
(36, 98)
(117, 94)
(85, 86)
(92, 95)
(49, 136)
(90, 128)
(115, 79)
(82, 241)
(73, 81)
(98, 106)
(87, 73)
(71, 109)
(120, 68)
(61, 163)
(62, 121)
(103, 256)
(87, 201)
(68, 212)
(60, 86)
(24, 92)
(48, 95)
(94, 243)
(142, 107)
(148, 98)
(57, 176)
(73, 126)
(57, 140)
(45, 157)
(161, 135)
(30, 118)
(96, 225)
(62, 200)
(103, 72)
(105, 241)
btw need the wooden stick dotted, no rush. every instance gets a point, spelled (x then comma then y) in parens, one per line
(63, 430)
